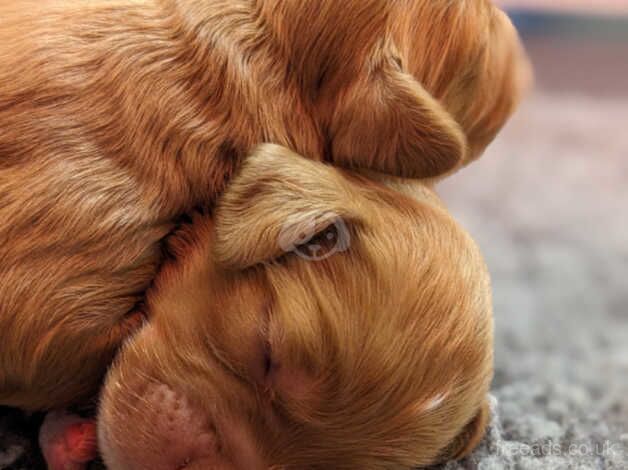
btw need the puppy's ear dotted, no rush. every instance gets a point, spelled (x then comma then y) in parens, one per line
(277, 202)
(386, 121)
(470, 436)
(376, 116)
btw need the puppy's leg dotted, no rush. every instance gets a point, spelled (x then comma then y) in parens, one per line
(67, 441)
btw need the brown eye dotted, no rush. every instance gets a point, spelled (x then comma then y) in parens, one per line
(324, 240)
(333, 239)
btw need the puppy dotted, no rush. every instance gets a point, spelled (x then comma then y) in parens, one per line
(117, 117)
(367, 345)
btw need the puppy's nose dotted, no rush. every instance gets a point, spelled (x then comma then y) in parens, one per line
(156, 428)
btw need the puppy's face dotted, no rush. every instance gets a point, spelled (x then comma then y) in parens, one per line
(320, 320)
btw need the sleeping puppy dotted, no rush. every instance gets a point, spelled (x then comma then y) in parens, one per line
(367, 346)
(119, 116)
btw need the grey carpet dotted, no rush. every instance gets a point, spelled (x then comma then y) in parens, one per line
(548, 205)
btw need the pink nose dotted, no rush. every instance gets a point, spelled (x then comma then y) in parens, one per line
(155, 428)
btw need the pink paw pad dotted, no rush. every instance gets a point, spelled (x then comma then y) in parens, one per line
(67, 441)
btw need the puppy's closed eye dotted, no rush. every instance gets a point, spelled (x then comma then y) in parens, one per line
(269, 365)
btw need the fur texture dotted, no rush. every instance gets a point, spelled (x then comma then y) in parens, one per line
(118, 117)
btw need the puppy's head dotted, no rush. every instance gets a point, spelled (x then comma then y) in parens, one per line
(320, 320)
(413, 88)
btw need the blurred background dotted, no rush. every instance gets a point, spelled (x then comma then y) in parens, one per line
(548, 205)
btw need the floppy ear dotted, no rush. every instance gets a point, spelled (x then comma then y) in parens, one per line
(471, 435)
(387, 121)
(277, 202)
(376, 116)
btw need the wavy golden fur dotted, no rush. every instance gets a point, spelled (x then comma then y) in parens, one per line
(119, 116)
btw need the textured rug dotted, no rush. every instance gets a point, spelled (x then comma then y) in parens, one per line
(547, 205)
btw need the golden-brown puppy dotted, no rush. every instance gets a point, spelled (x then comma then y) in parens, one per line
(118, 116)
(367, 346)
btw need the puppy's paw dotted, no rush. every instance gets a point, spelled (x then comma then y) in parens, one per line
(67, 441)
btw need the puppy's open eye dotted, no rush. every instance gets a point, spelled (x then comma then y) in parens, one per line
(318, 245)
(324, 240)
